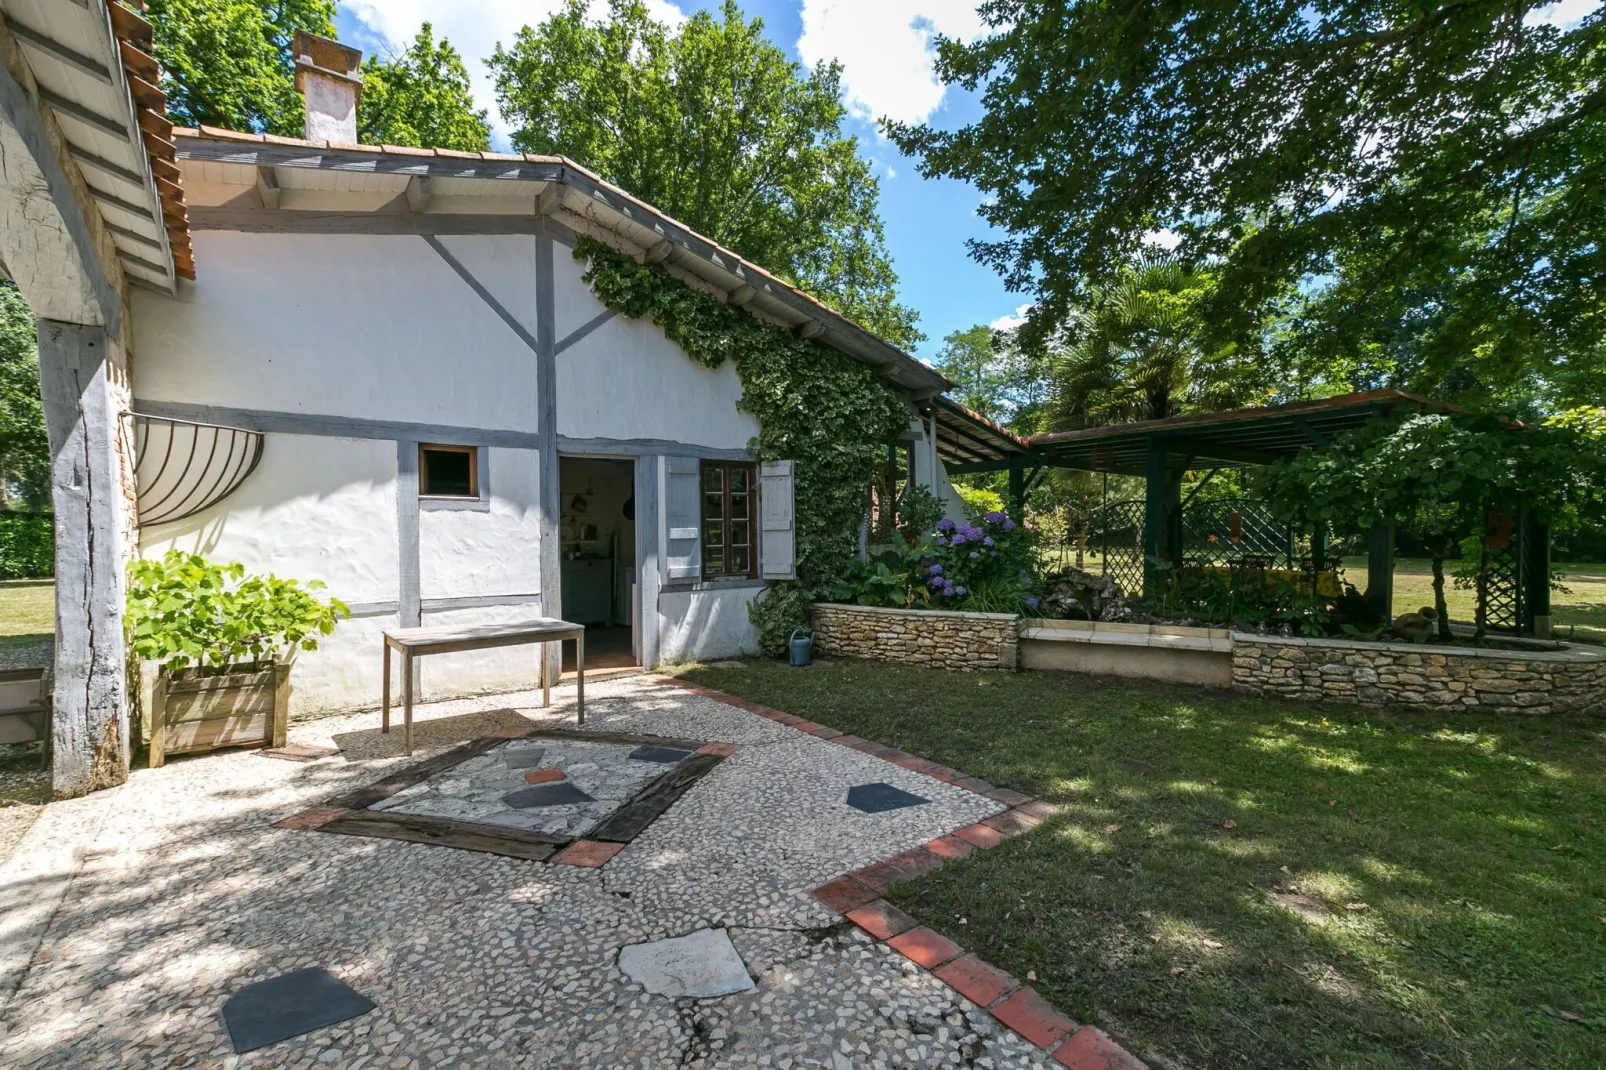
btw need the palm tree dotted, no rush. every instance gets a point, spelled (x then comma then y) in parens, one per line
(1137, 353)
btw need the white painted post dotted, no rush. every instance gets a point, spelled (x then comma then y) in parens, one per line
(89, 730)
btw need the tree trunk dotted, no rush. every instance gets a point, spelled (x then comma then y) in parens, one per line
(1439, 605)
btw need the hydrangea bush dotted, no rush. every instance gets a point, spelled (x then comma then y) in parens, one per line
(985, 567)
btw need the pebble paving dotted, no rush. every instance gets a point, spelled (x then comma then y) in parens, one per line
(184, 892)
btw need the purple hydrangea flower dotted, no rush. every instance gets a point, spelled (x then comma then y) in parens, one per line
(958, 539)
(1032, 602)
(936, 570)
(948, 587)
(974, 555)
(945, 524)
(995, 517)
(941, 541)
(988, 541)
(936, 581)
(959, 590)
(1009, 525)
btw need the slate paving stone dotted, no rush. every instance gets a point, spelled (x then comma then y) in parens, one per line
(879, 798)
(699, 965)
(523, 757)
(289, 1005)
(564, 794)
(663, 755)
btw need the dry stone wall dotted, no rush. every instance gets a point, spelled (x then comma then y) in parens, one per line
(937, 638)
(1446, 679)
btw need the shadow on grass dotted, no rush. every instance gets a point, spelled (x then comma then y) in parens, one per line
(1233, 881)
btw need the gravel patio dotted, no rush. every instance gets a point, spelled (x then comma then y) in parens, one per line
(129, 917)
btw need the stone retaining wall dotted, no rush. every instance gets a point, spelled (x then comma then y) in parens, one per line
(939, 638)
(1448, 679)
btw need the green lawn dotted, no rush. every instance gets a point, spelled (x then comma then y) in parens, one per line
(1476, 844)
(1578, 612)
(27, 612)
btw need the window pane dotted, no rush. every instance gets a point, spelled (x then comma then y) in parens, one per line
(713, 507)
(447, 473)
(714, 561)
(739, 534)
(739, 504)
(713, 478)
(714, 533)
(739, 480)
(738, 559)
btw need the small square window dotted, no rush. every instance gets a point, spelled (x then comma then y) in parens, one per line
(448, 472)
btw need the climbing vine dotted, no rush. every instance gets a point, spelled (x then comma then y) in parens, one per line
(821, 409)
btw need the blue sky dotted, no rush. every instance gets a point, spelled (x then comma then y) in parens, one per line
(883, 47)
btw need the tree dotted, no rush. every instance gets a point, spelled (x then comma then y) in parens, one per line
(421, 98)
(994, 376)
(228, 63)
(1139, 350)
(1430, 171)
(714, 126)
(24, 449)
(1441, 477)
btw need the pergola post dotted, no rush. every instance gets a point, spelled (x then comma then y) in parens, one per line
(1017, 489)
(1534, 575)
(1162, 514)
(1380, 570)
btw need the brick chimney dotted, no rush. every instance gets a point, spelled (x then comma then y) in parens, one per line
(329, 76)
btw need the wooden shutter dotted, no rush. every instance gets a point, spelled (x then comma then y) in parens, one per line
(777, 553)
(683, 545)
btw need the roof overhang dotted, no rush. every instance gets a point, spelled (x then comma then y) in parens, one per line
(92, 71)
(258, 181)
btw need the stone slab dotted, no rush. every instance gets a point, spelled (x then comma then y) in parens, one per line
(288, 1006)
(878, 798)
(701, 965)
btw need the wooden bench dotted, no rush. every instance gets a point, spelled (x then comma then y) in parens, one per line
(416, 642)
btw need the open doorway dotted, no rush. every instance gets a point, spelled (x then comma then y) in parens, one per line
(598, 570)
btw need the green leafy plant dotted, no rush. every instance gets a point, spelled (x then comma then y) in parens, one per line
(819, 408)
(27, 546)
(782, 610)
(187, 611)
(918, 513)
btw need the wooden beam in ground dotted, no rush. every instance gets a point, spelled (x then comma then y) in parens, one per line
(89, 721)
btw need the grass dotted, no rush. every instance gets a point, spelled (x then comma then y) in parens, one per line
(1475, 843)
(27, 612)
(1580, 608)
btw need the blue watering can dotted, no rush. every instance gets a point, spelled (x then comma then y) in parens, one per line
(801, 646)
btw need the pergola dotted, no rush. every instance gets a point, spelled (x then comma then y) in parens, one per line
(1161, 451)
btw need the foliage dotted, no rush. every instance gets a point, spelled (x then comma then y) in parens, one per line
(228, 63)
(984, 567)
(27, 546)
(780, 611)
(979, 501)
(815, 406)
(1257, 600)
(1479, 930)
(994, 377)
(1428, 172)
(184, 610)
(1140, 351)
(421, 98)
(24, 448)
(1441, 477)
(918, 512)
(715, 126)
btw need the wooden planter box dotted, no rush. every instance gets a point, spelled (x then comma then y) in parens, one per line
(187, 713)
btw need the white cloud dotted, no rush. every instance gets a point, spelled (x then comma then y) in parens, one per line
(885, 47)
(1563, 13)
(1012, 320)
(475, 27)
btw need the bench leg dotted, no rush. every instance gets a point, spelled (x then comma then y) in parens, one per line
(579, 676)
(384, 694)
(407, 704)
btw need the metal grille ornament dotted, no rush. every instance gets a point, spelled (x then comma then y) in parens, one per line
(182, 467)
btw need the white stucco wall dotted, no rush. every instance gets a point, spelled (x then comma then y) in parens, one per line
(467, 553)
(699, 625)
(369, 326)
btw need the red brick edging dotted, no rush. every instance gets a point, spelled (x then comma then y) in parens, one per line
(858, 896)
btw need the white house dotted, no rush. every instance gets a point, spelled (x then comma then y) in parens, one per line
(380, 368)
